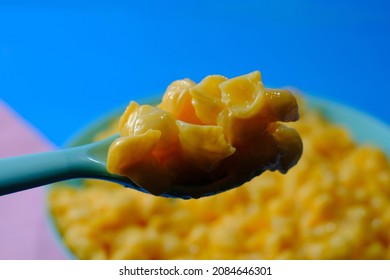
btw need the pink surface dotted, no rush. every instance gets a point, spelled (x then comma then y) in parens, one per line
(24, 232)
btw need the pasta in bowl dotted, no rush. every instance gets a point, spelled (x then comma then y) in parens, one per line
(333, 204)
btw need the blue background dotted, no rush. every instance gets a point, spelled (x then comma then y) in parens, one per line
(65, 63)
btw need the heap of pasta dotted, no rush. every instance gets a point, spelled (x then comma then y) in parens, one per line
(207, 137)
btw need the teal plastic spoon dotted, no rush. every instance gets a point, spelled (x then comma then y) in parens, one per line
(87, 161)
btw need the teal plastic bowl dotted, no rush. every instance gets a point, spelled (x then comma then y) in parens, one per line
(364, 128)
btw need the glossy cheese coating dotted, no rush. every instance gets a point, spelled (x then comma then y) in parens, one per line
(207, 137)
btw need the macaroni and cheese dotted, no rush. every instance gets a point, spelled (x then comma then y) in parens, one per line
(208, 137)
(334, 204)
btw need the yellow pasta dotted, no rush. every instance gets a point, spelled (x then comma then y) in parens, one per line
(334, 204)
(206, 137)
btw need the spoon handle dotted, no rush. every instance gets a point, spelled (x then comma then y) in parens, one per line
(29, 171)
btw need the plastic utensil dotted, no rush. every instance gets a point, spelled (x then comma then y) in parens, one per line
(85, 161)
